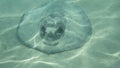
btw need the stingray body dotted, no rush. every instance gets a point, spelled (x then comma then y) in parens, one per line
(57, 27)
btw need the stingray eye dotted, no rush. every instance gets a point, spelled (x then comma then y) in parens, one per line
(59, 32)
(42, 31)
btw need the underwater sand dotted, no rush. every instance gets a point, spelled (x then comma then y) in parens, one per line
(101, 51)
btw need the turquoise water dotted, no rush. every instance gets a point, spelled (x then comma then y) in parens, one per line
(101, 51)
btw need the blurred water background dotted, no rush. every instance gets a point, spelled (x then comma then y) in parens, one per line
(101, 51)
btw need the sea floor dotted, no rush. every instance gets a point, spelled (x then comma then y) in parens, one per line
(101, 51)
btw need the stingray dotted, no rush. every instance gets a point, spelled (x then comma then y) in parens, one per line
(56, 27)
